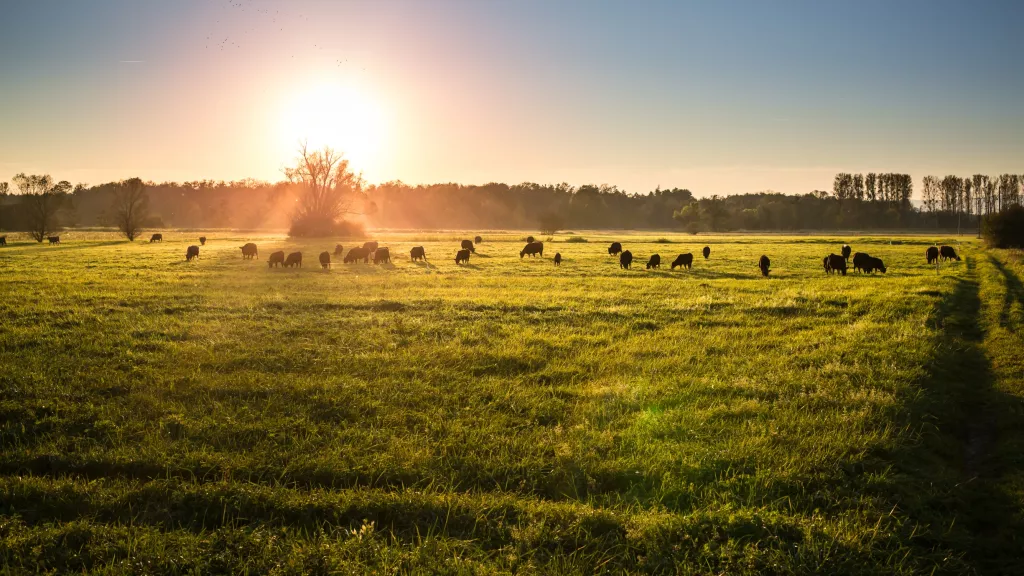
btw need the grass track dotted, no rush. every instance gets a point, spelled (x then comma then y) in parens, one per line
(506, 416)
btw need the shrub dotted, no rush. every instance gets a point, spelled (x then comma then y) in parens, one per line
(662, 241)
(314, 226)
(1005, 229)
(551, 222)
(576, 239)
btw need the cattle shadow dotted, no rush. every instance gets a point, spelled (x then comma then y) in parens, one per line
(469, 266)
(83, 246)
(426, 265)
(1014, 293)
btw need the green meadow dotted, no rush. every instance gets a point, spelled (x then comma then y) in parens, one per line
(159, 416)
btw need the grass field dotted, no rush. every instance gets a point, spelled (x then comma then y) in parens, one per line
(158, 416)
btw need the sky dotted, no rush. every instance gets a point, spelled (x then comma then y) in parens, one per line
(721, 97)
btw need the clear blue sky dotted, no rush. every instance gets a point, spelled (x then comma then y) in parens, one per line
(720, 97)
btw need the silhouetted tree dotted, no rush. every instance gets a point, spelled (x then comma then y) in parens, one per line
(551, 222)
(41, 203)
(130, 207)
(329, 189)
(930, 193)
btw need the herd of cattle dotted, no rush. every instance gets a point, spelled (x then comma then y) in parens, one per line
(833, 263)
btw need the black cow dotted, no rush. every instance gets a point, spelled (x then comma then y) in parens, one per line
(947, 253)
(873, 264)
(478, 239)
(614, 249)
(462, 257)
(468, 245)
(532, 249)
(202, 240)
(558, 258)
(275, 259)
(250, 251)
(293, 259)
(192, 252)
(156, 238)
(846, 251)
(357, 254)
(860, 259)
(53, 239)
(370, 247)
(764, 264)
(325, 259)
(707, 252)
(338, 250)
(417, 253)
(683, 260)
(625, 259)
(932, 254)
(835, 263)
(3, 240)
(654, 262)
(382, 255)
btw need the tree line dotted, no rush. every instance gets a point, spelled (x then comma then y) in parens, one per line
(322, 196)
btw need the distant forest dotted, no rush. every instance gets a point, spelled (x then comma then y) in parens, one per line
(871, 201)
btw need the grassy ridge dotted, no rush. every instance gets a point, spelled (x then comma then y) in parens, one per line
(502, 416)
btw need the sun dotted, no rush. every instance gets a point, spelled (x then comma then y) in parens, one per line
(336, 115)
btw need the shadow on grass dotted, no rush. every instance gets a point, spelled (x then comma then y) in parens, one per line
(945, 483)
(1014, 292)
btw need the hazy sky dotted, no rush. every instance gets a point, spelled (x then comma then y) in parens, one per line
(718, 96)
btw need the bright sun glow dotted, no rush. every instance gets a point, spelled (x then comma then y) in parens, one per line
(338, 116)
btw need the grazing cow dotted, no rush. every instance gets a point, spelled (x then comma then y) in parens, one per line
(625, 259)
(846, 251)
(192, 252)
(249, 251)
(835, 263)
(764, 264)
(325, 259)
(614, 249)
(532, 249)
(683, 261)
(707, 252)
(357, 254)
(382, 255)
(932, 254)
(3, 240)
(947, 253)
(477, 240)
(462, 257)
(860, 259)
(338, 250)
(293, 259)
(370, 247)
(202, 240)
(654, 262)
(53, 239)
(558, 258)
(275, 259)
(156, 238)
(468, 245)
(417, 253)
(873, 264)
